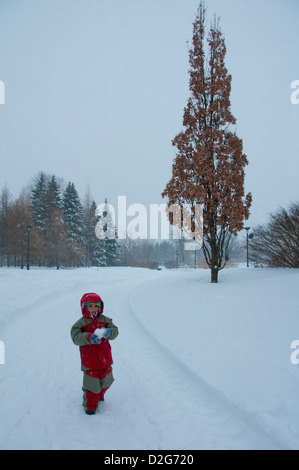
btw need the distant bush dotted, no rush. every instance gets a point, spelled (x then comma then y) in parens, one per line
(277, 243)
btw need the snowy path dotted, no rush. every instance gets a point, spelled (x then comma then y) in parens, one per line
(177, 400)
(156, 402)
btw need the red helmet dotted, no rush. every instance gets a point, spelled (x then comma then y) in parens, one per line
(88, 299)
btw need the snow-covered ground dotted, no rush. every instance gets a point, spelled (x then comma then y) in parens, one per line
(196, 365)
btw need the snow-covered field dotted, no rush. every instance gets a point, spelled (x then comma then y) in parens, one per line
(196, 365)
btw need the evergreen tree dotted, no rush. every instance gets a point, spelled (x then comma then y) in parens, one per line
(209, 165)
(107, 234)
(46, 211)
(39, 205)
(91, 243)
(56, 250)
(53, 198)
(52, 205)
(73, 213)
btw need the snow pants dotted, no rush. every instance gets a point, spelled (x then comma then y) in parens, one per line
(95, 384)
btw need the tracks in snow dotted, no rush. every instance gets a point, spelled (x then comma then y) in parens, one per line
(175, 399)
(157, 402)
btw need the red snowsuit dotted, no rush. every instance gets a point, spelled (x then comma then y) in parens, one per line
(96, 359)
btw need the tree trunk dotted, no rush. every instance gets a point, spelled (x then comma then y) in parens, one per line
(214, 257)
(214, 274)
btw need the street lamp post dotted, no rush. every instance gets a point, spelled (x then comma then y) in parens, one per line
(247, 230)
(28, 246)
(248, 237)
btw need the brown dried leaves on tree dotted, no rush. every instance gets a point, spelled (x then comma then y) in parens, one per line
(209, 167)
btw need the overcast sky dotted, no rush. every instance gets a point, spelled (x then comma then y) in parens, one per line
(95, 91)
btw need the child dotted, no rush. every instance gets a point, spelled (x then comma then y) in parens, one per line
(91, 334)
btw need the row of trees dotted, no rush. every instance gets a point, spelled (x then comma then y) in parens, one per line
(61, 226)
(62, 232)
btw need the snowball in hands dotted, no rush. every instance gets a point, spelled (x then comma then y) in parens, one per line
(100, 333)
(103, 332)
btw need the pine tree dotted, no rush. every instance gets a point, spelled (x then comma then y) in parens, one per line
(73, 213)
(91, 243)
(52, 196)
(39, 205)
(107, 234)
(57, 251)
(209, 165)
(46, 211)
(72, 210)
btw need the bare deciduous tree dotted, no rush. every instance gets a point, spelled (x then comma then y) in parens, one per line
(277, 242)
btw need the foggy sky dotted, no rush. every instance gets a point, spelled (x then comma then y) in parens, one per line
(95, 92)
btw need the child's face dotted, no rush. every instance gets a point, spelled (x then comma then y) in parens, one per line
(93, 309)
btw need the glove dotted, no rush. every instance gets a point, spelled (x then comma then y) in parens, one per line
(107, 332)
(94, 339)
(99, 334)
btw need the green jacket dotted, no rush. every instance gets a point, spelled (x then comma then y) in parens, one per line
(93, 356)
